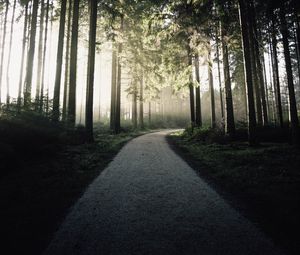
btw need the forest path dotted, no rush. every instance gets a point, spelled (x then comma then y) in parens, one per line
(149, 201)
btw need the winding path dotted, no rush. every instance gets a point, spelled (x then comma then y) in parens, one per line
(149, 201)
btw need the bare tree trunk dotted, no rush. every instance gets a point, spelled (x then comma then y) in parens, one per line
(9, 53)
(59, 59)
(198, 94)
(67, 63)
(229, 120)
(141, 99)
(44, 57)
(119, 81)
(89, 120)
(260, 69)
(149, 113)
(22, 58)
(3, 47)
(248, 73)
(219, 74)
(289, 72)
(30, 59)
(134, 106)
(276, 73)
(254, 66)
(113, 89)
(191, 89)
(50, 53)
(297, 39)
(40, 56)
(73, 65)
(211, 88)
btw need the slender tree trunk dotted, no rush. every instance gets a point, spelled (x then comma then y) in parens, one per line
(260, 69)
(198, 94)
(9, 53)
(119, 81)
(1, 22)
(276, 73)
(272, 80)
(67, 63)
(59, 59)
(219, 73)
(134, 106)
(3, 47)
(254, 65)
(149, 114)
(40, 56)
(211, 88)
(297, 57)
(50, 53)
(191, 88)
(248, 73)
(229, 120)
(41, 101)
(30, 59)
(22, 58)
(297, 32)
(289, 72)
(263, 63)
(73, 65)
(141, 99)
(91, 70)
(113, 89)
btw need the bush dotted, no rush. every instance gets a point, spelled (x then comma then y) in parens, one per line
(205, 135)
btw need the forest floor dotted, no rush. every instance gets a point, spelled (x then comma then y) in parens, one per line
(43, 173)
(262, 182)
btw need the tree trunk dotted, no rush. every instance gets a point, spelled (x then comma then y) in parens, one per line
(149, 114)
(9, 52)
(22, 58)
(67, 63)
(211, 88)
(229, 120)
(50, 53)
(113, 89)
(119, 81)
(248, 73)
(219, 74)
(59, 59)
(263, 63)
(3, 47)
(254, 65)
(297, 32)
(198, 94)
(141, 99)
(134, 106)
(276, 73)
(259, 69)
(73, 65)
(30, 58)
(191, 89)
(91, 69)
(40, 56)
(41, 99)
(289, 72)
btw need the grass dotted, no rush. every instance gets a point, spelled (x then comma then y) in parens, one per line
(263, 182)
(44, 170)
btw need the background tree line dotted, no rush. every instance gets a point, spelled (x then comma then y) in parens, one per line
(248, 50)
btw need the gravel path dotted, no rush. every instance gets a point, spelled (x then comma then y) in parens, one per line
(149, 201)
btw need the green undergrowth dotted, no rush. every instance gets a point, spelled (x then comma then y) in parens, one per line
(266, 178)
(44, 169)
